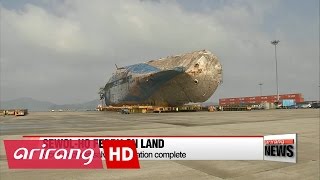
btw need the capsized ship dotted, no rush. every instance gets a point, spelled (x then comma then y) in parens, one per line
(172, 81)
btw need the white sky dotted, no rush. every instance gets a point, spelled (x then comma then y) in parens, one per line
(63, 51)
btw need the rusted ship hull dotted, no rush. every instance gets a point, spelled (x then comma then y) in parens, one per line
(171, 81)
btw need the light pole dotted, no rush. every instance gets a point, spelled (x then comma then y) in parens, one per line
(275, 42)
(260, 84)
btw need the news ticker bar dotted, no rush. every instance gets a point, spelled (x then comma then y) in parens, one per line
(282, 148)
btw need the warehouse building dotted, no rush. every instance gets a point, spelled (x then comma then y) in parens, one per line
(260, 99)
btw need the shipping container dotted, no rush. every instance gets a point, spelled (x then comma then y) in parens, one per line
(21, 112)
(10, 112)
(288, 102)
(297, 97)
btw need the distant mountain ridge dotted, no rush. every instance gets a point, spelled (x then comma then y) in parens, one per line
(36, 105)
(81, 106)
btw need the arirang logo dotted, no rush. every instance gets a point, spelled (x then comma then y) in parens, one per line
(279, 147)
(55, 154)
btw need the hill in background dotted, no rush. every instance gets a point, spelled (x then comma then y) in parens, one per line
(36, 105)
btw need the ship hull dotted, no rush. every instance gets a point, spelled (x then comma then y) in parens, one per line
(173, 81)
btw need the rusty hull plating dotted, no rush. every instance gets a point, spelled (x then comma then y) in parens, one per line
(172, 81)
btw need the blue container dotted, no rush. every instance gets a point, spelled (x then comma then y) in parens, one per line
(288, 102)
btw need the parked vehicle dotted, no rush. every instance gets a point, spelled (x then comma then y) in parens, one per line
(315, 105)
(293, 107)
(308, 105)
(125, 111)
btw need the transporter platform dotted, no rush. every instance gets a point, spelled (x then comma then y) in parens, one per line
(151, 109)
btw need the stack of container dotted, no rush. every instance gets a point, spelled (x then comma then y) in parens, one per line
(260, 99)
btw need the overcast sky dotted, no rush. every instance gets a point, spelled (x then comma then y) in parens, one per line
(63, 51)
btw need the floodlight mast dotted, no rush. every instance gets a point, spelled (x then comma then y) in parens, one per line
(275, 43)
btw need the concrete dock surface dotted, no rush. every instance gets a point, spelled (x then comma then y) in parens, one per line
(305, 122)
